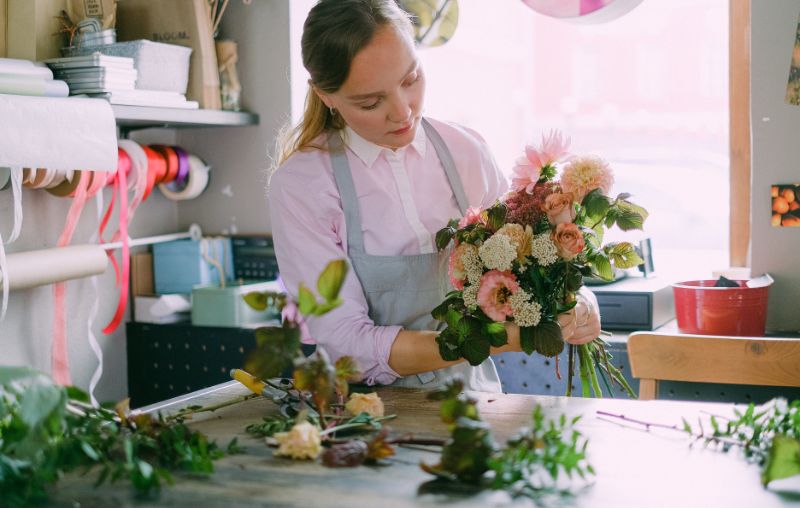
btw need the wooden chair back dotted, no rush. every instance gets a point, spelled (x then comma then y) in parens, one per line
(710, 359)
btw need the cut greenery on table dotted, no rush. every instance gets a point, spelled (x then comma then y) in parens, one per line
(768, 435)
(47, 430)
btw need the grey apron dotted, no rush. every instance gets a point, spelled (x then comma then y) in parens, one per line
(402, 290)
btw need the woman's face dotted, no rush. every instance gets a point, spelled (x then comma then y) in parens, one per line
(383, 95)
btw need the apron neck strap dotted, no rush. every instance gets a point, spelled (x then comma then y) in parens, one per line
(449, 165)
(347, 192)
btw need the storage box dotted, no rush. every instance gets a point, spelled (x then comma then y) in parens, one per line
(159, 66)
(216, 306)
(179, 265)
(635, 303)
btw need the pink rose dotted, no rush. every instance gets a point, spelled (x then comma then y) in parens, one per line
(568, 240)
(473, 215)
(495, 292)
(559, 208)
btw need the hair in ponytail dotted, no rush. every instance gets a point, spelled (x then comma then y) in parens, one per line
(333, 33)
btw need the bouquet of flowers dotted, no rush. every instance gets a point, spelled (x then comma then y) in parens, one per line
(524, 259)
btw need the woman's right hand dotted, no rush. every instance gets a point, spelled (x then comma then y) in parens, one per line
(581, 324)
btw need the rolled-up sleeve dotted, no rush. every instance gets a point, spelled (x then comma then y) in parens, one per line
(308, 230)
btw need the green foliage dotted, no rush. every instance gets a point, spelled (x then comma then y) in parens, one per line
(496, 216)
(769, 436)
(47, 430)
(534, 460)
(276, 350)
(622, 255)
(530, 462)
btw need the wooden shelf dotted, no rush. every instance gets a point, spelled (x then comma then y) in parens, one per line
(143, 117)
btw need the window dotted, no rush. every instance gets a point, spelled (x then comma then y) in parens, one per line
(648, 92)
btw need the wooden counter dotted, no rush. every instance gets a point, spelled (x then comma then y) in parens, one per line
(635, 468)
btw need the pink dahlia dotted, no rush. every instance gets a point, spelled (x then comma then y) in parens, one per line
(585, 174)
(528, 169)
(494, 294)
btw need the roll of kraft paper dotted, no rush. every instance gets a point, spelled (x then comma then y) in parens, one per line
(39, 267)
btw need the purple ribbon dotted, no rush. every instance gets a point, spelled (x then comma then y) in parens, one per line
(182, 177)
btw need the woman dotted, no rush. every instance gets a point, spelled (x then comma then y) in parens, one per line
(365, 176)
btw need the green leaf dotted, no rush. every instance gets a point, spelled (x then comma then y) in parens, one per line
(623, 255)
(257, 300)
(306, 301)
(602, 266)
(440, 311)
(631, 216)
(453, 318)
(496, 333)
(449, 345)
(526, 339)
(331, 279)
(476, 350)
(783, 460)
(325, 307)
(9, 374)
(497, 216)
(443, 237)
(547, 339)
(275, 351)
(596, 205)
(75, 393)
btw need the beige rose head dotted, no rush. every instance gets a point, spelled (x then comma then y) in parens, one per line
(369, 403)
(303, 441)
(569, 241)
(521, 238)
(559, 207)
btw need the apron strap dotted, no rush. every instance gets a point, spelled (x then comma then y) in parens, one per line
(448, 164)
(347, 192)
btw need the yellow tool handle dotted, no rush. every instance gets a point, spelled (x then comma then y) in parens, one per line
(254, 384)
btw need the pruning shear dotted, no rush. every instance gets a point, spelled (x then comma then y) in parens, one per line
(278, 390)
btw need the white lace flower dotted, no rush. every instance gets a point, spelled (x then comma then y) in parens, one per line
(497, 253)
(526, 311)
(544, 250)
(470, 296)
(472, 264)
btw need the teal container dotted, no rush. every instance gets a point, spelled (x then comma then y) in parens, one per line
(217, 306)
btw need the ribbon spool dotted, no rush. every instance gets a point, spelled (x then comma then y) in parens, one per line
(171, 158)
(179, 182)
(156, 170)
(68, 186)
(196, 181)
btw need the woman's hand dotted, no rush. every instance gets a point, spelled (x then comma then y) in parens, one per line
(581, 324)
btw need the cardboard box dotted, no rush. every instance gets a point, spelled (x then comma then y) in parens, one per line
(3, 23)
(32, 29)
(142, 274)
(181, 22)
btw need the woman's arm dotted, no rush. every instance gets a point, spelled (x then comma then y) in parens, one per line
(414, 352)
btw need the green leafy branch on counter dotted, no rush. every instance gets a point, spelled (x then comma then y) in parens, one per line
(539, 459)
(768, 435)
(47, 430)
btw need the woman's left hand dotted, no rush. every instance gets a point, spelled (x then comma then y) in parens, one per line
(581, 324)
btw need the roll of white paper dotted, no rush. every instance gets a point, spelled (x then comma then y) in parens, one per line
(170, 304)
(39, 267)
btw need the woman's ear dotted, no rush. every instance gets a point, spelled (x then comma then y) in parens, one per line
(325, 98)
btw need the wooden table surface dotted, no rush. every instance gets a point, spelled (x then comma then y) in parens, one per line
(635, 468)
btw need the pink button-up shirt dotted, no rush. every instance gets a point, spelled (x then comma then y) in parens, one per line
(404, 199)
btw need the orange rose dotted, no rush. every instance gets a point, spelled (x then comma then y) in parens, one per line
(569, 241)
(558, 207)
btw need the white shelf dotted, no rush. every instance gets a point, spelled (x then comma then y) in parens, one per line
(143, 117)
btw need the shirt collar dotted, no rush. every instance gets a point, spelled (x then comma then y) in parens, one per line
(369, 152)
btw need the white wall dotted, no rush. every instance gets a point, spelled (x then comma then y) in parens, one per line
(775, 156)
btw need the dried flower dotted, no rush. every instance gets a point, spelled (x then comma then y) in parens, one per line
(369, 403)
(495, 292)
(585, 174)
(526, 209)
(303, 441)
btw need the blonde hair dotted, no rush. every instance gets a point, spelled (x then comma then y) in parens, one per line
(333, 33)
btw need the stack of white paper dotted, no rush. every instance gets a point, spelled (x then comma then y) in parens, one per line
(23, 77)
(112, 78)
